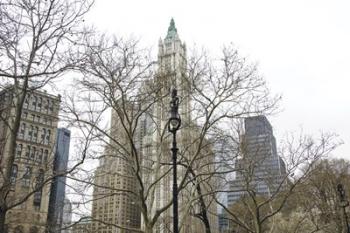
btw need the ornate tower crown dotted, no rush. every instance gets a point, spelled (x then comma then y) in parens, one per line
(172, 31)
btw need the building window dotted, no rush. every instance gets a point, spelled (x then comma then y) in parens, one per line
(35, 133)
(32, 155)
(38, 185)
(25, 115)
(14, 173)
(50, 106)
(30, 133)
(40, 103)
(46, 155)
(19, 148)
(28, 152)
(168, 47)
(40, 156)
(26, 176)
(39, 179)
(47, 105)
(35, 100)
(167, 64)
(47, 138)
(26, 102)
(22, 130)
(43, 134)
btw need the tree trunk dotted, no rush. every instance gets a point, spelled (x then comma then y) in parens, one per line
(204, 215)
(2, 219)
(258, 228)
(148, 229)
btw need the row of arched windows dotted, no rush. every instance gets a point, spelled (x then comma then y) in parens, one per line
(31, 133)
(38, 118)
(26, 181)
(32, 153)
(27, 175)
(38, 104)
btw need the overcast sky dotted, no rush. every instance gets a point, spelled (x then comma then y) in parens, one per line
(302, 48)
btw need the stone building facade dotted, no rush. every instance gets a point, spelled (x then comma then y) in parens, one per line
(114, 201)
(35, 145)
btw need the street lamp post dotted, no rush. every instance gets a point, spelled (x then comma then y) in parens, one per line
(173, 126)
(343, 203)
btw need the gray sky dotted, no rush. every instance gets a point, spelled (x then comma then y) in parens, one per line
(302, 48)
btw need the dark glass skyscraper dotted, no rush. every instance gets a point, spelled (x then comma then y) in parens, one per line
(260, 168)
(58, 187)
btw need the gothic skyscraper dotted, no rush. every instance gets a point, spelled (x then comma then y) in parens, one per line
(171, 74)
(172, 68)
(134, 179)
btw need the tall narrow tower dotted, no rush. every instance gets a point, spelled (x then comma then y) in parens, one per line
(172, 65)
(172, 72)
(58, 186)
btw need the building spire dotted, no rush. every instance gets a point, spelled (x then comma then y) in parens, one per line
(172, 31)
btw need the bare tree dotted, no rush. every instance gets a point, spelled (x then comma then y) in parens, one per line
(255, 211)
(315, 205)
(113, 73)
(119, 78)
(36, 45)
(319, 199)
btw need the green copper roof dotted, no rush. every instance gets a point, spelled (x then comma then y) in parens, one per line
(172, 31)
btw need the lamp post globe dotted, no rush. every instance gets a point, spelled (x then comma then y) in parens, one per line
(174, 120)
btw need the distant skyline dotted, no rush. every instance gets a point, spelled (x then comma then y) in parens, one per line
(302, 49)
